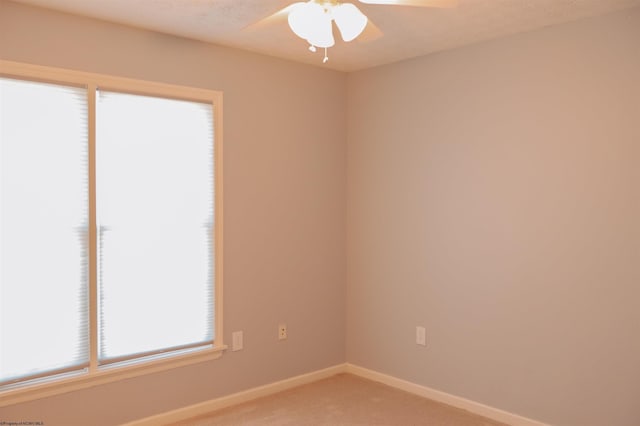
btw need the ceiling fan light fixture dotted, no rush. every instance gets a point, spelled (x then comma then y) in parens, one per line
(312, 22)
(321, 34)
(301, 18)
(349, 20)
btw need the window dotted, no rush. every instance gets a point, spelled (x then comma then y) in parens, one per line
(43, 229)
(110, 227)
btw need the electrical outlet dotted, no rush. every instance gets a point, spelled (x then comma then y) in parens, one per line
(237, 341)
(421, 336)
(282, 331)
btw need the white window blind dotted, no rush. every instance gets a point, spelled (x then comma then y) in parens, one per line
(43, 230)
(155, 218)
(110, 228)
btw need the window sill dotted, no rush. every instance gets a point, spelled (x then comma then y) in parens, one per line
(102, 376)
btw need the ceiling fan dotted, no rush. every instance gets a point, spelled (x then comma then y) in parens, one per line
(312, 20)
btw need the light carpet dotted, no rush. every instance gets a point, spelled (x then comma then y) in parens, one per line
(341, 400)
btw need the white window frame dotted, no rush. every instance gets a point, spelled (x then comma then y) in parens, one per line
(98, 375)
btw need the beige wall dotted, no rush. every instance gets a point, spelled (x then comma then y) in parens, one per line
(493, 197)
(285, 165)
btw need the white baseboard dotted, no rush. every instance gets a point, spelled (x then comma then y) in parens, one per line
(258, 392)
(237, 398)
(445, 398)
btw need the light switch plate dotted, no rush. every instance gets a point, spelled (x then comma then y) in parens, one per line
(421, 336)
(237, 341)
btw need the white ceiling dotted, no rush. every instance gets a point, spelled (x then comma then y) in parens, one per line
(408, 31)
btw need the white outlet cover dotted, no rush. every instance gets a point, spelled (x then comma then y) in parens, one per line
(282, 331)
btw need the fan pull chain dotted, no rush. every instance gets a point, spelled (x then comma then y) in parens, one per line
(326, 58)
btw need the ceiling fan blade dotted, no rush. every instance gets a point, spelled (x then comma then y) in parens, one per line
(370, 33)
(279, 16)
(417, 3)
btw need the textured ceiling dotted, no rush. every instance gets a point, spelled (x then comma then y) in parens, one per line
(408, 31)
